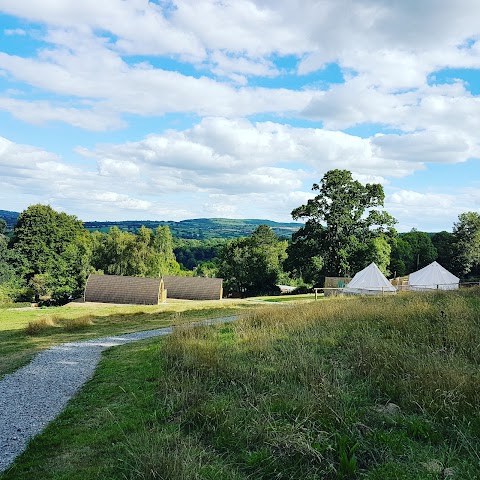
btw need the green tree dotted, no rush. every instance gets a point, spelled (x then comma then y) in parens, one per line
(378, 250)
(6, 270)
(166, 263)
(466, 233)
(341, 218)
(423, 252)
(145, 254)
(305, 255)
(115, 254)
(207, 269)
(252, 265)
(12, 286)
(54, 245)
(444, 244)
(401, 257)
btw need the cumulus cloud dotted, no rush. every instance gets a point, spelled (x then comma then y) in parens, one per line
(426, 210)
(15, 31)
(226, 154)
(98, 66)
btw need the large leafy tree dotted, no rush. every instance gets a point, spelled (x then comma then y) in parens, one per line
(6, 268)
(422, 250)
(444, 244)
(340, 220)
(165, 262)
(401, 257)
(305, 259)
(466, 233)
(55, 248)
(146, 254)
(252, 265)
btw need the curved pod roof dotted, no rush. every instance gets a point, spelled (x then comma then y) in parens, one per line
(126, 290)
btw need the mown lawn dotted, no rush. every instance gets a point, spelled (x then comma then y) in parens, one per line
(83, 321)
(374, 388)
(289, 298)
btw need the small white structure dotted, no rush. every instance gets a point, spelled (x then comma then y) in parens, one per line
(370, 281)
(433, 277)
(286, 288)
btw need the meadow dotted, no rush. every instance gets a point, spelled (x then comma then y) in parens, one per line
(374, 388)
(25, 331)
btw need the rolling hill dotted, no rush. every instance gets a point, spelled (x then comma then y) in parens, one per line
(199, 228)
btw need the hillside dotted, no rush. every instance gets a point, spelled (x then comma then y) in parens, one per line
(199, 228)
(10, 218)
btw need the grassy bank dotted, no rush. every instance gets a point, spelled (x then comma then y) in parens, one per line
(375, 388)
(24, 332)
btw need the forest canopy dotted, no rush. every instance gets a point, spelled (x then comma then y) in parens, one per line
(47, 255)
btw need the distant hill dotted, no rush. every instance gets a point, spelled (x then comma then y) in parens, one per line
(199, 228)
(10, 217)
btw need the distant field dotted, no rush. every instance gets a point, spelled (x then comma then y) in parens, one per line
(201, 228)
(368, 388)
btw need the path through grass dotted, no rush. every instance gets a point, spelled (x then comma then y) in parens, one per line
(374, 388)
(23, 333)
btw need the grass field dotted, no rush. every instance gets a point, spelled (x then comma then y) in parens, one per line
(374, 388)
(285, 298)
(24, 332)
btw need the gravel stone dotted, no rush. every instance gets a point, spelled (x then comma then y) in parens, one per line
(34, 395)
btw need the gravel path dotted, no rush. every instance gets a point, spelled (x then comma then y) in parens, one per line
(34, 395)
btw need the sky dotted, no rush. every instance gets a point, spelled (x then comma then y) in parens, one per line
(178, 109)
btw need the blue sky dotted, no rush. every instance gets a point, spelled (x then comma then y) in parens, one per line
(182, 109)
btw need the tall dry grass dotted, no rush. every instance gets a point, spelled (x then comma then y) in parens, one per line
(41, 325)
(292, 392)
(79, 323)
(49, 323)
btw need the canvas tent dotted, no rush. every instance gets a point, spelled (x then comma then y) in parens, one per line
(433, 277)
(370, 281)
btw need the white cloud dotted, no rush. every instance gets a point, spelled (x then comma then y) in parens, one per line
(40, 112)
(118, 168)
(426, 210)
(239, 68)
(14, 31)
(99, 65)
(220, 154)
(84, 67)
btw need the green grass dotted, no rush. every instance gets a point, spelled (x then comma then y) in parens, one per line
(289, 298)
(370, 388)
(23, 333)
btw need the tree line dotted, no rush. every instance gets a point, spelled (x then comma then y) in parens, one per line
(50, 254)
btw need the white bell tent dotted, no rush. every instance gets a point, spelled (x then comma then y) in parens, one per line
(370, 281)
(433, 277)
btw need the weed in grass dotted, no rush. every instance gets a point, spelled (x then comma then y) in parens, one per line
(347, 467)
